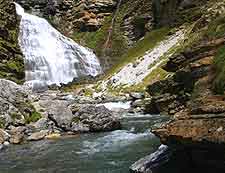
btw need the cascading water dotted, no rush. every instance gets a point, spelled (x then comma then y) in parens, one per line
(50, 57)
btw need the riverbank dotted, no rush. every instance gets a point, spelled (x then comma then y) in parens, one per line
(87, 153)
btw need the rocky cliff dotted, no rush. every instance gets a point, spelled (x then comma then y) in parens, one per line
(194, 95)
(11, 59)
(110, 27)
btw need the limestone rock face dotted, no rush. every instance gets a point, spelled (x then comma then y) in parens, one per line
(15, 107)
(11, 59)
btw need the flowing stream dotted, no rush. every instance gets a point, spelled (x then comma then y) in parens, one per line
(111, 152)
(50, 57)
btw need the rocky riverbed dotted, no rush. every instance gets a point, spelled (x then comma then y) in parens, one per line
(52, 114)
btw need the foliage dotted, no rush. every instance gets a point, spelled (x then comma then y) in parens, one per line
(34, 117)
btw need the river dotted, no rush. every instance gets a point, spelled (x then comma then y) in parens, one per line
(110, 152)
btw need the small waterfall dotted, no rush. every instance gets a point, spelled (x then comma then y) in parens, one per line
(50, 57)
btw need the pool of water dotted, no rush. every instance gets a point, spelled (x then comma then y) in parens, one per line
(111, 152)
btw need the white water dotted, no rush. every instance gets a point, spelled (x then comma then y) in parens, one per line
(114, 106)
(50, 57)
(114, 141)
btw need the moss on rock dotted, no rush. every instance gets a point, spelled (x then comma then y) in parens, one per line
(11, 58)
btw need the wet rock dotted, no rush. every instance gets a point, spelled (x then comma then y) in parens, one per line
(38, 135)
(154, 160)
(53, 136)
(1, 147)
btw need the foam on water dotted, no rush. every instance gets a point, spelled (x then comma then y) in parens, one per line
(50, 57)
(114, 141)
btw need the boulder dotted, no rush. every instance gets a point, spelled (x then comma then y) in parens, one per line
(54, 109)
(38, 135)
(41, 124)
(16, 138)
(152, 161)
(17, 134)
(60, 114)
(95, 119)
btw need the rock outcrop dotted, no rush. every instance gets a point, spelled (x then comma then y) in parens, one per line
(11, 59)
(194, 97)
(15, 108)
(94, 119)
(86, 15)
(65, 113)
(167, 12)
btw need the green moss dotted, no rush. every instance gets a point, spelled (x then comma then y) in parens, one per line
(216, 28)
(2, 122)
(34, 117)
(94, 40)
(15, 116)
(149, 42)
(75, 119)
(219, 62)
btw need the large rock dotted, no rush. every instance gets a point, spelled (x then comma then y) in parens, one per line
(15, 107)
(60, 114)
(17, 135)
(95, 119)
(152, 161)
(38, 135)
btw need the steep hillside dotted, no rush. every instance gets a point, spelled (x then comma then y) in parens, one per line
(194, 95)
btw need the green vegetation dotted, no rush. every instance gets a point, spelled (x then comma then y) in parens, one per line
(11, 65)
(94, 40)
(149, 42)
(216, 28)
(75, 119)
(219, 62)
(34, 117)
(15, 116)
(2, 122)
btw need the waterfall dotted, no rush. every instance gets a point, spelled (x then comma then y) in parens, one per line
(50, 57)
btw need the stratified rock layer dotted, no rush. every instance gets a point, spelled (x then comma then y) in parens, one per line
(191, 98)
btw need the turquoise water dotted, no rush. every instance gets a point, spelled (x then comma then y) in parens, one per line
(111, 152)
